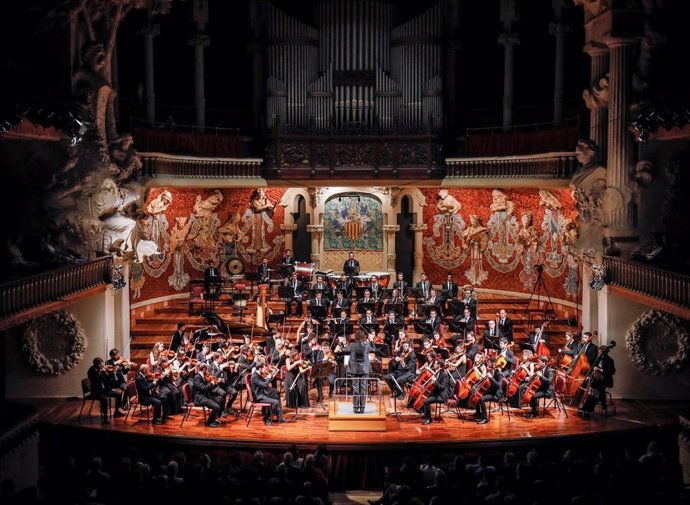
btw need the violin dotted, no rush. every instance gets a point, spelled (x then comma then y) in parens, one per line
(212, 379)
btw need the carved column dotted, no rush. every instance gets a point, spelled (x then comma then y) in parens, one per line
(418, 230)
(558, 30)
(620, 142)
(288, 230)
(598, 112)
(316, 231)
(199, 42)
(390, 230)
(149, 32)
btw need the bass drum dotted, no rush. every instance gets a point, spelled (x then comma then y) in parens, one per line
(234, 266)
(304, 270)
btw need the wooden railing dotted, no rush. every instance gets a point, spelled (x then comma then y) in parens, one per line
(557, 165)
(651, 281)
(191, 167)
(30, 292)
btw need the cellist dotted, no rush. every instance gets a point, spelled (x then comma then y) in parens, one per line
(492, 394)
(439, 393)
(545, 389)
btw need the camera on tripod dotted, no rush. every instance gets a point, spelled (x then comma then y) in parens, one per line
(539, 268)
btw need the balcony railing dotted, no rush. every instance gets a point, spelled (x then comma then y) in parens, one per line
(558, 165)
(190, 167)
(651, 281)
(30, 292)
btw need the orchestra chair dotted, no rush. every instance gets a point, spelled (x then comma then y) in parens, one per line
(133, 399)
(610, 406)
(188, 403)
(281, 378)
(501, 407)
(196, 297)
(452, 405)
(250, 399)
(555, 402)
(87, 396)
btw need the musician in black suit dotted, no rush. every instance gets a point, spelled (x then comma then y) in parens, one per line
(146, 391)
(537, 336)
(394, 301)
(206, 394)
(545, 389)
(264, 393)
(424, 287)
(265, 273)
(605, 365)
(471, 345)
(588, 348)
(351, 265)
(490, 337)
(440, 392)
(469, 301)
(319, 301)
(434, 320)
(212, 282)
(493, 393)
(320, 284)
(505, 325)
(368, 318)
(99, 389)
(116, 380)
(401, 284)
(178, 336)
(450, 287)
(375, 288)
(344, 285)
(403, 367)
(359, 368)
(434, 299)
(295, 295)
(466, 319)
(340, 303)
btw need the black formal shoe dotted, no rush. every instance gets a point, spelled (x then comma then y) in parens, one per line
(119, 414)
(223, 414)
(531, 415)
(268, 422)
(427, 421)
(105, 420)
(483, 421)
(281, 420)
(157, 421)
(213, 424)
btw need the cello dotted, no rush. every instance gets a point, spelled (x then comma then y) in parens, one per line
(533, 385)
(577, 371)
(481, 387)
(464, 385)
(422, 388)
(520, 374)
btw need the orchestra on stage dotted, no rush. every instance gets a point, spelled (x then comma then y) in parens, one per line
(427, 343)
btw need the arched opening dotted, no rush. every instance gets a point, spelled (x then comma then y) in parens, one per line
(404, 240)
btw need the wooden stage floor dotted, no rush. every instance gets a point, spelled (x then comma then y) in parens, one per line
(311, 428)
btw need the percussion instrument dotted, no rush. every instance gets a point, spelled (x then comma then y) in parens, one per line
(384, 278)
(333, 279)
(362, 280)
(304, 269)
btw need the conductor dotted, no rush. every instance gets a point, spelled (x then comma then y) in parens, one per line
(359, 370)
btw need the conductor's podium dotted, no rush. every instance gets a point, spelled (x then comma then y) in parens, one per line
(341, 412)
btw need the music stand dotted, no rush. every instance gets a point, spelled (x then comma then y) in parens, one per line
(285, 292)
(416, 293)
(351, 271)
(320, 371)
(526, 346)
(423, 328)
(392, 329)
(360, 291)
(285, 269)
(362, 307)
(252, 278)
(491, 343)
(369, 327)
(426, 310)
(455, 307)
(397, 307)
(345, 329)
(318, 312)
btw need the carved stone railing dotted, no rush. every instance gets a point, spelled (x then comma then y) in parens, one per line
(30, 292)
(648, 280)
(194, 167)
(557, 165)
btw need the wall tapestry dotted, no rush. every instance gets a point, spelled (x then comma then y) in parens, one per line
(353, 222)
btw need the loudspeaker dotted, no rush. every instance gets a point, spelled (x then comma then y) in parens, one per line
(572, 321)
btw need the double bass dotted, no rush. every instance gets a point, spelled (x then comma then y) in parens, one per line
(593, 383)
(577, 372)
(542, 349)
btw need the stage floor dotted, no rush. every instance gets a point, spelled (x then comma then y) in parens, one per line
(311, 427)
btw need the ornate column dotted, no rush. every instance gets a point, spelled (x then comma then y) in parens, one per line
(558, 29)
(620, 143)
(316, 231)
(149, 32)
(390, 230)
(596, 98)
(287, 230)
(418, 230)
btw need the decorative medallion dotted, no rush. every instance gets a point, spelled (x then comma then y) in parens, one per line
(54, 343)
(658, 342)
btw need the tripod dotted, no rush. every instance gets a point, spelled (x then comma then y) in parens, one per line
(538, 286)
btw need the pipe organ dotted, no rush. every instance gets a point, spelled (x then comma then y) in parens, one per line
(356, 70)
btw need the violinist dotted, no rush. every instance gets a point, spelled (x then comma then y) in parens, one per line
(204, 355)
(244, 365)
(428, 350)
(402, 368)
(295, 382)
(155, 355)
(439, 393)
(168, 389)
(146, 391)
(457, 362)
(99, 389)
(116, 380)
(341, 349)
(222, 371)
(206, 395)
(280, 352)
(315, 354)
(178, 336)
(471, 346)
(545, 389)
(184, 365)
(492, 393)
(264, 393)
